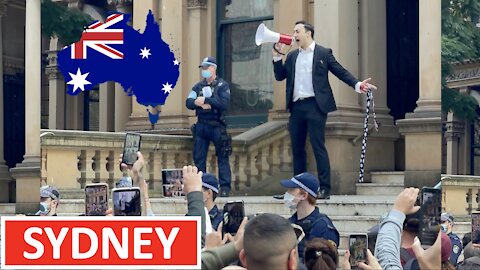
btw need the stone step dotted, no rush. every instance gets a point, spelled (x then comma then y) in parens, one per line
(343, 205)
(7, 208)
(374, 189)
(394, 177)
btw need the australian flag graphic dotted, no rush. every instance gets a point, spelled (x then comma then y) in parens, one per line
(113, 51)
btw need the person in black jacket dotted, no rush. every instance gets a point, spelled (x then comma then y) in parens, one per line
(210, 99)
(309, 97)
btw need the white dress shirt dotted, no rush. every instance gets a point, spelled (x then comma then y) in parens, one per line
(303, 86)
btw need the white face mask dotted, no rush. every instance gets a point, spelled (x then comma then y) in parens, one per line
(444, 228)
(290, 201)
(44, 209)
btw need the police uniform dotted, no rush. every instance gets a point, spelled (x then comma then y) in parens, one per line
(456, 248)
(209, 181)
(211, 126)
(216, 216)
(315, 225)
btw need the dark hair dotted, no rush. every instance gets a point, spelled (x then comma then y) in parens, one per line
(266, 237)
(467, 238)
(320, 254)
(307, 26)
(447, 266)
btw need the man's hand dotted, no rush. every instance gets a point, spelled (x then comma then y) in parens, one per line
(405, 201)
(365, 85)
(372, 262)
(136, 168)
(206, 106)
(279, 47)
(192, 179)
(238, 238)
(430, 258)
(199, 101)
(214, 239)
(345, 263)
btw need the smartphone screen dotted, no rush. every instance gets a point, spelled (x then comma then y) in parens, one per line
(126, 202)
(476, 228)
(96, 199)
(233, 213)
(430, 212)
(172, 182)
(358, 244)
(130, 148)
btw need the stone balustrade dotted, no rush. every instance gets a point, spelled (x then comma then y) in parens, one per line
(71, 159)
(460, 194)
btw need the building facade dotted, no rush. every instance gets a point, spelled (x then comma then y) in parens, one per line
(69, 141)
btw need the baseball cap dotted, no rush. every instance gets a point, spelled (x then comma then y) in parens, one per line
(305, 181)
(446, 217)
(208, 61)
(49, 192)
(210, 181)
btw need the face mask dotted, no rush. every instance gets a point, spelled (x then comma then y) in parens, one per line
(44, 209)
(206, 74)
(289, 201)
(444, 228)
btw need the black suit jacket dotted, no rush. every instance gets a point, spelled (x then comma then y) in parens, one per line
(323, 61)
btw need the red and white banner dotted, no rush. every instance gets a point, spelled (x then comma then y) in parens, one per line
(100, 242)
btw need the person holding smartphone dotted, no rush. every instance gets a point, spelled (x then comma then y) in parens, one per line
(210, 98)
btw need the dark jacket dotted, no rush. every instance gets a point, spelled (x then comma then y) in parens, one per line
(219, 101)
(323, 62)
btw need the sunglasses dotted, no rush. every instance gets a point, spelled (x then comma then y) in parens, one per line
(298, 232)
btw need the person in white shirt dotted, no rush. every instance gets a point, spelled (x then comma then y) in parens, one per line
(309, 97)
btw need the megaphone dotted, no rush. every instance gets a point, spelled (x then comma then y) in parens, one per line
(265, 35)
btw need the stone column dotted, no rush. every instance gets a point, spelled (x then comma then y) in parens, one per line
(56, 92)
(5, 177)
(422, 128)
(27, 173)
(454, 129)
(123, 103)
(106, 106)
(289, 14)
(336, 27)
(373, 64)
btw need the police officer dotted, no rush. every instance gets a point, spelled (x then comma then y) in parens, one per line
(210, 99)
(210, 192)
(301, 196)
(447, 226)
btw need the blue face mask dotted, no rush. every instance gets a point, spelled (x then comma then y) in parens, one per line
(206, 73)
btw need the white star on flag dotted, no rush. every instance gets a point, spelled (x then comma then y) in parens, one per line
(145, 52)
(167, 88)
(176, 63)
(78, 80)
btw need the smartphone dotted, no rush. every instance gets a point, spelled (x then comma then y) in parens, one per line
(130, 148)
(476, 228)
(126, 201)
(233, 214)
(172, 182)
(430, 211)
(96, 199)
(358, 244)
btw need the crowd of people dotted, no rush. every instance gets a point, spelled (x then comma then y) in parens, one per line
(270, 241)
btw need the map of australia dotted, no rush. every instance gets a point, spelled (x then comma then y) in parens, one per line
(142, 63)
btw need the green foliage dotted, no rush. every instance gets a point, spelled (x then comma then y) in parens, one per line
(65, 23)
(460, 42)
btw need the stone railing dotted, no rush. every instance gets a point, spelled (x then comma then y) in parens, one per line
(460, 194)
(71, 159)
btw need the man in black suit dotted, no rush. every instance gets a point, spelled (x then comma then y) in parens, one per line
(310, 98)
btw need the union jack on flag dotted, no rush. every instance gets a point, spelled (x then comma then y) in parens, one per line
(97, 36)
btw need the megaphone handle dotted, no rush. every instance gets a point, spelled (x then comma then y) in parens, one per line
(276, 49)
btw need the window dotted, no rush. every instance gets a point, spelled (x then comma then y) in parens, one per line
(91, 109)
(244, 65)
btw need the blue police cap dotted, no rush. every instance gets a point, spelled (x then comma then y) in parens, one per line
(208, 61)
(305, 181)
(210, 181)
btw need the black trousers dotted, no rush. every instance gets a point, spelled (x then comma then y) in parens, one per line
(306, 117)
